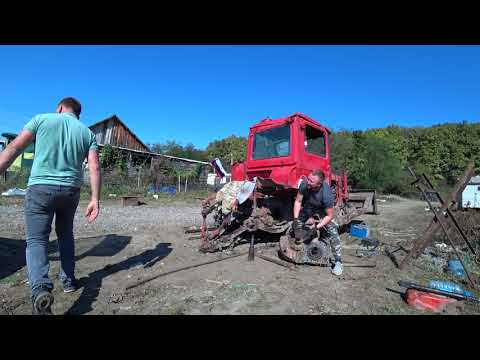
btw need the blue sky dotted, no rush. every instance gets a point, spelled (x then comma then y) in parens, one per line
(200, 93)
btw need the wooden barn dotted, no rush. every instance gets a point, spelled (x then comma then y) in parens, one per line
(113, 131)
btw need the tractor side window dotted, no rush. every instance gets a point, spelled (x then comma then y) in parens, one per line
(314, 141)
(272, 143)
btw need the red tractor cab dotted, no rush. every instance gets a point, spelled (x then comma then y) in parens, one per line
(286, 149)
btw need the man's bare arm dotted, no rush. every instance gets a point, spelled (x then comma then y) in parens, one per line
(326, 219)
(95, 183)
(14, 149)
(297, 205)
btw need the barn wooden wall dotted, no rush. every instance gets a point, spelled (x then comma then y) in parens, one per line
(114, 133)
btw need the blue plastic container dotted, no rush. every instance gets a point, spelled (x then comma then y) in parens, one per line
(359, 231)
(449, 287)
(456, 268)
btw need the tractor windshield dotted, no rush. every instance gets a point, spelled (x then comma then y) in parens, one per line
(272, 143)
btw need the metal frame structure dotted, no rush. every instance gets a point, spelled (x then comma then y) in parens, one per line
(443, 217)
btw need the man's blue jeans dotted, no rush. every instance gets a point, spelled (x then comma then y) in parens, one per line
(41, 203)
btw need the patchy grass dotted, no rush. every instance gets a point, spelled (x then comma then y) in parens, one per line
(394, 310)
(13, 279)
(119, 191)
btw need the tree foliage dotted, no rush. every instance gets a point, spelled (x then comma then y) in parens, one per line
(377, 158)
(112, 158)
(172, 148)
(374, 158)
(228, 149)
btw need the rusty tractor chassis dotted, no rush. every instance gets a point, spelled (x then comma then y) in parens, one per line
(280, 154)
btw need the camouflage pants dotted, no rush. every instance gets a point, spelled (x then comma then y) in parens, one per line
(329, 232)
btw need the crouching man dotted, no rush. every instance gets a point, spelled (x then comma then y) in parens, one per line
(315, 197)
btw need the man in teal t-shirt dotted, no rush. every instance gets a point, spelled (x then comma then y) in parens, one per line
(62, 143)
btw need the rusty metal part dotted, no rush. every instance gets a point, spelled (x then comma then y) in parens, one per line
(289, 266)
(251, 250)
(181, 269)
(272, 214)
(434, 226)
(391, 256)
(359, 265)
(191, 230)
(316, 252)
(221, 242)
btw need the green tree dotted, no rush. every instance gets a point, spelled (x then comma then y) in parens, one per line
(172, 148)
(112, 158)
(232, 147)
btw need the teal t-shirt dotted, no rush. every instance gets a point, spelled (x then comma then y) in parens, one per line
(62, 143)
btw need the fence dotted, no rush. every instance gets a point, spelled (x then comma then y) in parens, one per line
(141, 181)
(144, 181)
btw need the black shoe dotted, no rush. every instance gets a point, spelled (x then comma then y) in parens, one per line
(42, 305)
(69, 286)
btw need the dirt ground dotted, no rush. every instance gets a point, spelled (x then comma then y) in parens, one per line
(129, 244)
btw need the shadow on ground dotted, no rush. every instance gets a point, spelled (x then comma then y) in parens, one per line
(92, 284)
(12, 251)
(12, 255)
(110, 245)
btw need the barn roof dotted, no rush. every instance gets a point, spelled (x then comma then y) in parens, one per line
(117, 119)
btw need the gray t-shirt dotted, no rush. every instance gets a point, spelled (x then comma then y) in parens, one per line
(318, 199)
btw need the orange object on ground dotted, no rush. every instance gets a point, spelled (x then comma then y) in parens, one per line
(422, 300)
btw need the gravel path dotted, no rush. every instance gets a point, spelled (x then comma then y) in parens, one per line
(113, 218)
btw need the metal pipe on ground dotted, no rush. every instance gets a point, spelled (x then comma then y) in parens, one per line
(278, 262)
(183, 268)
(359, 265)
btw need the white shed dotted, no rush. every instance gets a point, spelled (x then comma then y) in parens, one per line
(471, 194)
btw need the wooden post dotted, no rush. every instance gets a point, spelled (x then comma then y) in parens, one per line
(186, 182)
(179, 188)
(138, 178)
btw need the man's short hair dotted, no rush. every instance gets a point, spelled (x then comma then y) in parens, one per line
(73, 104)
(319, 173)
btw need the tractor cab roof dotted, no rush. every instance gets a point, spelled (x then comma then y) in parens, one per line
(267, 122)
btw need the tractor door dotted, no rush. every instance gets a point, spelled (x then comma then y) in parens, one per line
(314, 149)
